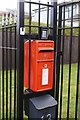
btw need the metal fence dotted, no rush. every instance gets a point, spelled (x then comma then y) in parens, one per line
(22, 24)
(12, 78)
(8, 74)
(67, 79)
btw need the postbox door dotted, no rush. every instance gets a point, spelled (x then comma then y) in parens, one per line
(41, 65)
(45, 75)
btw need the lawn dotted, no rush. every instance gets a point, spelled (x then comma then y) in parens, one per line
(72, 90)
(65, 91)
(12, 90)
(79, 104)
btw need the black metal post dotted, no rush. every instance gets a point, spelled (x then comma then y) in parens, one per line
(54, 35)
(20, 60)
(70, 56)
(58, 57)
(78, 77)
(3, 73)
(62, 62)
(78, 82)
(15, 74)
(6, 73)
(29, 43)
(39, 22)
(48, 16)
(53, 16)
(10, 72)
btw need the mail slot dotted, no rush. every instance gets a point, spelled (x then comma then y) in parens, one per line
(41, 65)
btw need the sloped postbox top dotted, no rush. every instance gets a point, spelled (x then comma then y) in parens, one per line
(44, 101)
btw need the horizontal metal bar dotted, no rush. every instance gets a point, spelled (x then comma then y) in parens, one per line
(69, 28)
(37, 26)
(38, 3)
(70, 19)
(8, 48)
(68, 3)
(9, 26)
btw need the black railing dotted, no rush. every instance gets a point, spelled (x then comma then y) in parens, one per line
(9, 75)
(70, 110)
(29, 35)
(12, 72)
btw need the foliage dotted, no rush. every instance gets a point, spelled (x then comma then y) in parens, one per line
(75, 31)
(35, 29)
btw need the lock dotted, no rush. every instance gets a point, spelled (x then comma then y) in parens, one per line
(49, 117)
(45, 66)
(42, 118)
(41, 63)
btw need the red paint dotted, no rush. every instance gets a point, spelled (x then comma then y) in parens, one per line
(42, 57)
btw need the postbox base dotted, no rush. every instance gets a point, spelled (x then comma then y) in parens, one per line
(43, 107)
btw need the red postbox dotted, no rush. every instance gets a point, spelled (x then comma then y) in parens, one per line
(41, 65)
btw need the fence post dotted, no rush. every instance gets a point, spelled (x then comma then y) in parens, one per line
(58, 57)
(53, 16)
(79, 98)
(79, 84)
(0, 74)
(54, 38)
(2, 67)
(78, 104)
(20, 59)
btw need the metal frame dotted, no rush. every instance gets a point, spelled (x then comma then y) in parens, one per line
(18, 50)
(60, 54)
(21, 38)
(20, 60)
(8, 70)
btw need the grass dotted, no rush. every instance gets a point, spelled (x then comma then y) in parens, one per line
(65, 92)
(73, 84)
(79, 103)
(12, 89)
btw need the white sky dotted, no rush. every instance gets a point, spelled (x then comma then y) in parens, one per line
(12, 4)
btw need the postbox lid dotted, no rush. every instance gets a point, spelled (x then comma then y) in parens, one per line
(44, 101)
